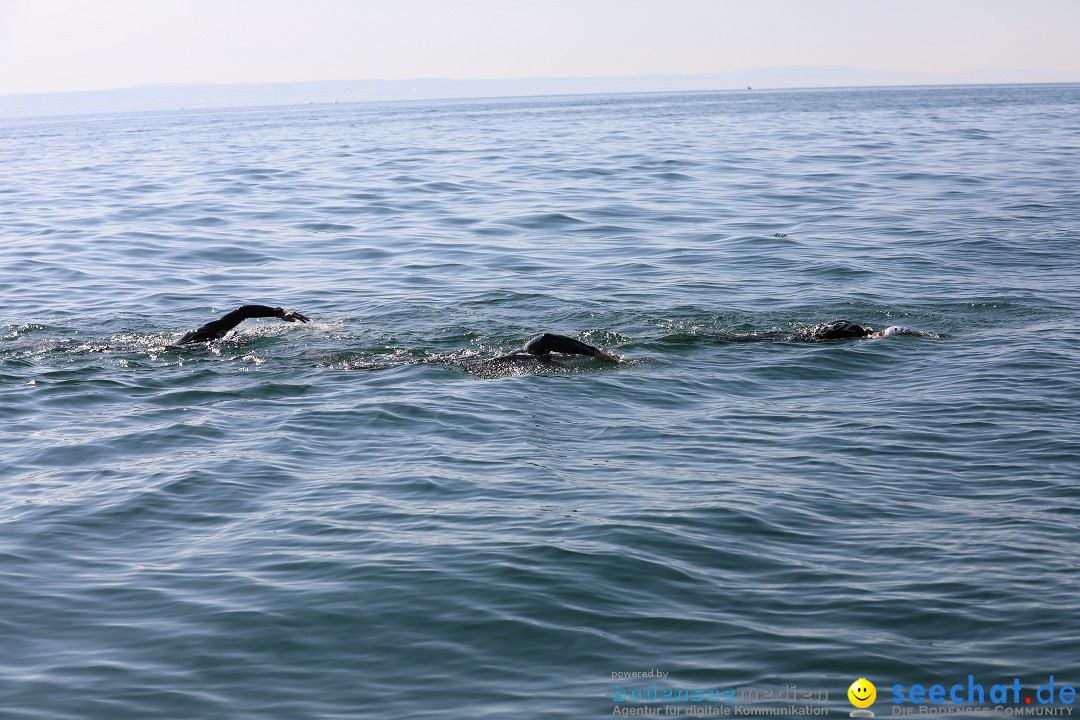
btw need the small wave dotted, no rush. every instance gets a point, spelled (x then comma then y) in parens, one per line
(250, 171)
(441, 187)
(672, 176)
(543, 221)
(208, 221)
(325, 227)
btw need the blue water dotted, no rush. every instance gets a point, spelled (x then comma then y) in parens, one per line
(336, 520)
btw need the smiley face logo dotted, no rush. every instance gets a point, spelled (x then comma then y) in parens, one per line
(862, 693)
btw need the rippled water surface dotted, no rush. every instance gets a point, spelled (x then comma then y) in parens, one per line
(338, 520)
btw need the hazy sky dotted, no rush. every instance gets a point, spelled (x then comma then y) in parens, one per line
(56, 45)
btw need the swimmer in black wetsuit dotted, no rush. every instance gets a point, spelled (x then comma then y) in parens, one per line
(835, 330)
(218, 328)
(541, 347)
(538, 352)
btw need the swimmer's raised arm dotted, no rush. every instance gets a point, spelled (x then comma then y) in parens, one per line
(217, 329)
(543, 345)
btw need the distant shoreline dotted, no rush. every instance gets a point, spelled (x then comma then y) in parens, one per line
(151, 98)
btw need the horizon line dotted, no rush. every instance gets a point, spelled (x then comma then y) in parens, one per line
(947, 79)
(944, 83)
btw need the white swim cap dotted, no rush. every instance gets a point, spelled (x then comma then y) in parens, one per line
(895, 330)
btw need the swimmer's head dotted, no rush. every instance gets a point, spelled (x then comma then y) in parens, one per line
(896, 330)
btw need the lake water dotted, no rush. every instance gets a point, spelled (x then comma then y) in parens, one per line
(336, 520)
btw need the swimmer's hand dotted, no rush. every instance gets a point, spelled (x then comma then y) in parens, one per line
(606, 356)
(293, 316)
